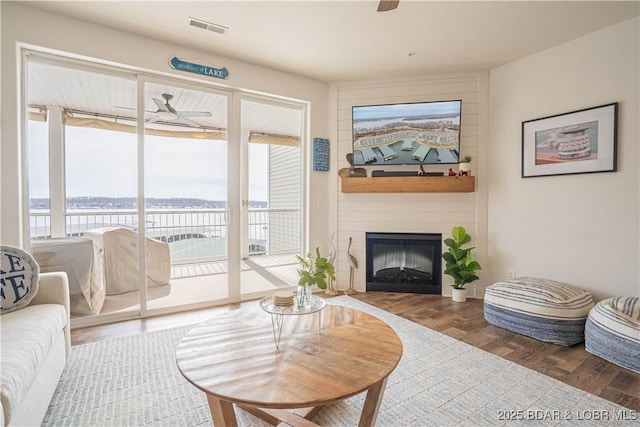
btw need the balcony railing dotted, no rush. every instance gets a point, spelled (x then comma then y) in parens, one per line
(193, 235)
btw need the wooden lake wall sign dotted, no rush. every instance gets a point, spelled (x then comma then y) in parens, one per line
(219, 73)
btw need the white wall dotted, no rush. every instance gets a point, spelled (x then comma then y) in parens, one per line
(357, 214)
(581, 229)
(22, 24)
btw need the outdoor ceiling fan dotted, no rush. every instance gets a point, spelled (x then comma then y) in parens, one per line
(386, 5)
(167, 113)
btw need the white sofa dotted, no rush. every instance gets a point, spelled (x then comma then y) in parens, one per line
(36, 344)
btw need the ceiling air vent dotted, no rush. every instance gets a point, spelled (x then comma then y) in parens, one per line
(207, 25)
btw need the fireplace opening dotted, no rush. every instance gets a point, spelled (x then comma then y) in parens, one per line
(404, 262)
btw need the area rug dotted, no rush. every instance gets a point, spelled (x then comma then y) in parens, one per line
(440, 381)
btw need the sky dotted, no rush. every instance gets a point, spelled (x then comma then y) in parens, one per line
(413, 109)
(103, 163)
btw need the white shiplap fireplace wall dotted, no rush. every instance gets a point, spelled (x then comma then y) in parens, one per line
(413, 212)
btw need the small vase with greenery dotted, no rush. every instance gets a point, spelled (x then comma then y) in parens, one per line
(314, 270)
(459, 262)
(465, 164)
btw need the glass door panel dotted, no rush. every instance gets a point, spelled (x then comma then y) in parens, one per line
(101, 183)
(186, 200)
(272, 196)
(83, 182)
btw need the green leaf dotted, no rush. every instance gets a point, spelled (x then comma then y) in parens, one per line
(473, 265)
(305, 278)
(450, 243)
(458, 233)
(449, 258)
(319, 279)
(459, 254)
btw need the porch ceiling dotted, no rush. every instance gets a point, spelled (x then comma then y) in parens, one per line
(107, 95)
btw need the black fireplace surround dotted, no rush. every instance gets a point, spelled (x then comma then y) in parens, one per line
(404, 262)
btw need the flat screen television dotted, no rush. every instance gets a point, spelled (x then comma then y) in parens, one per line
(406, 134)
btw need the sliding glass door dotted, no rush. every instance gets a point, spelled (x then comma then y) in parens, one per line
(157, 195)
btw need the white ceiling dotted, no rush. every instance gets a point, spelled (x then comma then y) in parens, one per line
(348, 40)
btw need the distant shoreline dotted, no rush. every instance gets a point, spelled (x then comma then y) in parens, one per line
(125, 203)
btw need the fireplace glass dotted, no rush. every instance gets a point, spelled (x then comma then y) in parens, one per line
(404, 262)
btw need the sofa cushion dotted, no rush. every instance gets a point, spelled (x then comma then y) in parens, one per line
(18, 278)
(27, 337)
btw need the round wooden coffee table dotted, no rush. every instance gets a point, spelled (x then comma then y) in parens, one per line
(233, 360)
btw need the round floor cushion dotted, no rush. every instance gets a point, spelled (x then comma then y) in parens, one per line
(543, 309)
(18, 278)
(612, 331)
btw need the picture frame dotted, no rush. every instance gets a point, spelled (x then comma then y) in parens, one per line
(583, 141)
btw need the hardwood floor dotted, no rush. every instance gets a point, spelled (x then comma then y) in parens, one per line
(463, 321)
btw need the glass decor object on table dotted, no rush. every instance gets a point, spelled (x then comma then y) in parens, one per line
(278, 312)
(303, 296)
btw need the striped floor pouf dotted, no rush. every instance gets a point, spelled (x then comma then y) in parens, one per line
(543, 309)
(612, 331)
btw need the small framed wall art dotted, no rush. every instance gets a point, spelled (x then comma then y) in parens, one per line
(582, 141)
(320, 154)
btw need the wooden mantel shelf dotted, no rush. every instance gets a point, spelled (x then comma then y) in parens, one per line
(409, 184)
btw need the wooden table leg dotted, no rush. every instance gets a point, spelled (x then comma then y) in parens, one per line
(372, 404)
(222, 412)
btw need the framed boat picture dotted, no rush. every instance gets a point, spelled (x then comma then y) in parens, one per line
(582, 141)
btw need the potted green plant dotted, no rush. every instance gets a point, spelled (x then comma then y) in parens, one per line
(459, 262)
(314, 270)
(465, 164)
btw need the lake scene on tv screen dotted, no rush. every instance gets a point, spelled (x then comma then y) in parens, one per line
(406, 134)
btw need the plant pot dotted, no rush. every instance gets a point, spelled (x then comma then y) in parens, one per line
(459, 295)
(464, 167)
